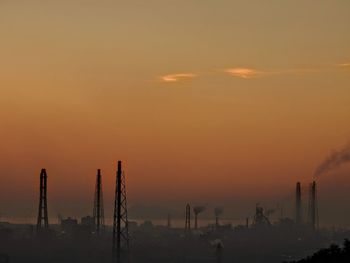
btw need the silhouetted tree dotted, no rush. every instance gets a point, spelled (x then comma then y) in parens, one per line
(333, 254)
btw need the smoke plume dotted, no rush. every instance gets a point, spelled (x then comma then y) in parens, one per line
(198, 209)
(333, 161)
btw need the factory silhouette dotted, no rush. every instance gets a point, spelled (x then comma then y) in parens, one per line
(92, 240)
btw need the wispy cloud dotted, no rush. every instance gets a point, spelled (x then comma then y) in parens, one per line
(250, 73)
(177, 77)
(244, 73)
(253, 73)
(344, 65)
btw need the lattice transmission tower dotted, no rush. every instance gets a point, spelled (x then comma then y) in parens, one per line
(120, 219)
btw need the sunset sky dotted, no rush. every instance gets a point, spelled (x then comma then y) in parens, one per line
(210, 102)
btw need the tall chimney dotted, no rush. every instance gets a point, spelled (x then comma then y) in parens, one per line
(313, 214)
(98, 212)
(298, 212)
(43, 221)
(169, 221)
(195, 220)
(188, 218)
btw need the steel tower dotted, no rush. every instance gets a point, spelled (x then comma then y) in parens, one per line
(98, 212)
(120, 219)
(43, 220)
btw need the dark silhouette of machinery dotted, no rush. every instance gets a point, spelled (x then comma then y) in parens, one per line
(197, 210)
(260, 219)
(43, 220)
(98, 212)
(120, 219)
(188, 218)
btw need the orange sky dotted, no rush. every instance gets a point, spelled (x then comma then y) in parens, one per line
(205, 101)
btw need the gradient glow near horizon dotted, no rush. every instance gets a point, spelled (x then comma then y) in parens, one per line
(205, 101)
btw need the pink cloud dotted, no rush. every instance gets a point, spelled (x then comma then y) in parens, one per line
(244, 73)
(177, 77)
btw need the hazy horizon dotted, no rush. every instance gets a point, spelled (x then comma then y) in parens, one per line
(221, 103)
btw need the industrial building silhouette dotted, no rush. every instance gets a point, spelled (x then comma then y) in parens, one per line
(92, 240)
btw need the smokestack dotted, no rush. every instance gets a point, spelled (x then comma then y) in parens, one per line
(98, 212)
(188, 218)
(169, 221)
(298, 212)
(217, 211)
(43, 221)
(313, 213)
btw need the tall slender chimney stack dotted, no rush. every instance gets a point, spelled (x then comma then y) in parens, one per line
(98, 212)
(298, 212)
(169, 221)
(42, 220)
(188, 218)
(313, 213)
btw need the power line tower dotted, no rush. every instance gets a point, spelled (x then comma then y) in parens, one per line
(188, 218)
(98, 212)
(43, 220)
(120, 219)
